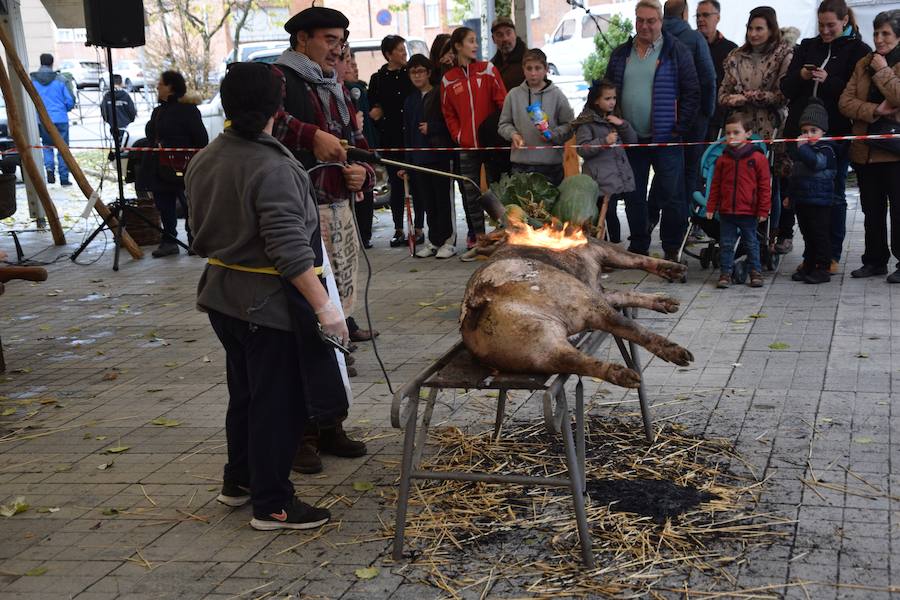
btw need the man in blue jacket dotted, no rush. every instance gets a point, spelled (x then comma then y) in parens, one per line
(675, 16)
(659, 95)
(59, 101)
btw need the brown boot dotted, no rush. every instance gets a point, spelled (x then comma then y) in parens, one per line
(307, 459)
(334, 441)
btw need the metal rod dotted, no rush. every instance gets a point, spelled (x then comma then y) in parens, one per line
(491, 478)
(642, 390)
(501, 410)
(422, 437)
(575, 477)
(438, 172)
(409, 441)
(579, 432)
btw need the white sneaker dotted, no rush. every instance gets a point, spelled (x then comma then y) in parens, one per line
(426, 251)
(446, 251)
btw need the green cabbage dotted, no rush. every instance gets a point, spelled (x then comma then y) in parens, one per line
(577, 204)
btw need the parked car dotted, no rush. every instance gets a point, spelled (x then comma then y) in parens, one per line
(8, 160)
(87, 73)
(132, 74)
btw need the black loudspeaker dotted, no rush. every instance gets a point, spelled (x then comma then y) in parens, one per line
(114, 23)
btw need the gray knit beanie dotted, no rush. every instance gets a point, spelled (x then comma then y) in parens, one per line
(815, 114)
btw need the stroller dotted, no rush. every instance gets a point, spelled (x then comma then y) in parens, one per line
(709, 255)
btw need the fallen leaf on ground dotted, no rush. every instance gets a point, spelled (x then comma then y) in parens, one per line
(363, 486)
(367, 573)
(741, 321)
(106, 465)
(164, 422)
(35, 572)
(758, 316)
(117, 449)
(110, 512)
(863, 440)
(18, 505)
(779, 346)
(110, 376)
(7, 412)
(862, 355)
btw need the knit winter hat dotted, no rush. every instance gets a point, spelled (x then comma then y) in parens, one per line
(815, 114)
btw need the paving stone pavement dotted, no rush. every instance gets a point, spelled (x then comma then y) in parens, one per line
(100, 355)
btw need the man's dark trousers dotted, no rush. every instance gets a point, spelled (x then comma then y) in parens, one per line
(668, 168)
(266, 409)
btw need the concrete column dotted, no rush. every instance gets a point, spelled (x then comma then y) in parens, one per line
(12, 23)
(522, 10)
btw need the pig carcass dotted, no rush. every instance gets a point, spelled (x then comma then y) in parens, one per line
(522, 305)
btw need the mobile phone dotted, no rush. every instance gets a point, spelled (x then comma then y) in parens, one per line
(811, 67)
(331, 340)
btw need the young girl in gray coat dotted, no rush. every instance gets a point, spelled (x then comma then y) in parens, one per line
(609, 167)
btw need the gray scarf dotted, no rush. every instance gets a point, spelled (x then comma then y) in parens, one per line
(325, 87)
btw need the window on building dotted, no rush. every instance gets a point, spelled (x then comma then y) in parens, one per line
(71, 35)
(432, 13)
(535, 9)
(263, 24)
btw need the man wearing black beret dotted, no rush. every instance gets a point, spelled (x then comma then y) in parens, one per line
(316, 100)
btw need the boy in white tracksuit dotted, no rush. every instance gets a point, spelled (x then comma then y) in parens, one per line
(536, 113)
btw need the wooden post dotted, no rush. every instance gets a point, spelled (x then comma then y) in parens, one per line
(12, 56)
(17, 129)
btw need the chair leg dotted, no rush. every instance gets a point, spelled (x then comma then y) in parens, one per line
(422, 437)
(406, 466)
(579, 433)
(501, 410)
(575, 477)
(2, 360)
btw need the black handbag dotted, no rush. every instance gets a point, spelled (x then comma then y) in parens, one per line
(881, 127)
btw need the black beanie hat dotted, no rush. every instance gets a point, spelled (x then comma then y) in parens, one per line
(815, 114)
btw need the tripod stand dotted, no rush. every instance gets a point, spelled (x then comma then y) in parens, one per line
(121, 207)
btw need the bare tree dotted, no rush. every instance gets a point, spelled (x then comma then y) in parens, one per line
(241, 11)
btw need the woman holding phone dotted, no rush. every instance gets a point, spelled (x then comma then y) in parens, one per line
(821, 68)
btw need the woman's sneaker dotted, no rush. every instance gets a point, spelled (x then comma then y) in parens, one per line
(724, 282)
(426, 251)
(233, 495)
(446, 251)
(297, 515)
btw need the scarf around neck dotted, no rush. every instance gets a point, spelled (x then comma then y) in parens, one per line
(326, 87)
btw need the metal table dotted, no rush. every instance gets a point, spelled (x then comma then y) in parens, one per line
(458, 369)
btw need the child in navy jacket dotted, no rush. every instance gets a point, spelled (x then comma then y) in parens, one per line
(811, 190)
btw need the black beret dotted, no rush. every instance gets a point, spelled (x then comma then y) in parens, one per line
(316, 17)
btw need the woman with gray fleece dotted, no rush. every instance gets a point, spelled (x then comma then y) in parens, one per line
(536, 113)
(255, 220)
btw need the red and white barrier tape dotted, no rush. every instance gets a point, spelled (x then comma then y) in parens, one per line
(835, 138)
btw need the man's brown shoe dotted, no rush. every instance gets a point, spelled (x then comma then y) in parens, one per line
(307, 460)
(334, 441)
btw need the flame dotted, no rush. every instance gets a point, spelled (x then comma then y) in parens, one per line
(522, 234)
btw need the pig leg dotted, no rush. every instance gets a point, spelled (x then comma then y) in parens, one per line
(657, 302)
(605, 318)
(616, 257)
(565, 358)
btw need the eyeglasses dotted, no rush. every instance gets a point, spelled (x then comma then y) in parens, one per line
(336, 44)
(418, 71)
(651, 21)
(704, 15)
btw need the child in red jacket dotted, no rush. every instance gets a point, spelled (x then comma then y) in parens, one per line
(741, 193)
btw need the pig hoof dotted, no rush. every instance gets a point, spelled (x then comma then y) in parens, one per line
(666, 304)
(674, 353)
(622, 376)
(672, 270)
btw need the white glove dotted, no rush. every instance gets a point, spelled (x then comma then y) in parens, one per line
(332, 322)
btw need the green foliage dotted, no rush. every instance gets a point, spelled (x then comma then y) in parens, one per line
(618, 33)
(459, 9)
(531, 191)
(503, 8)
(400, 7)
